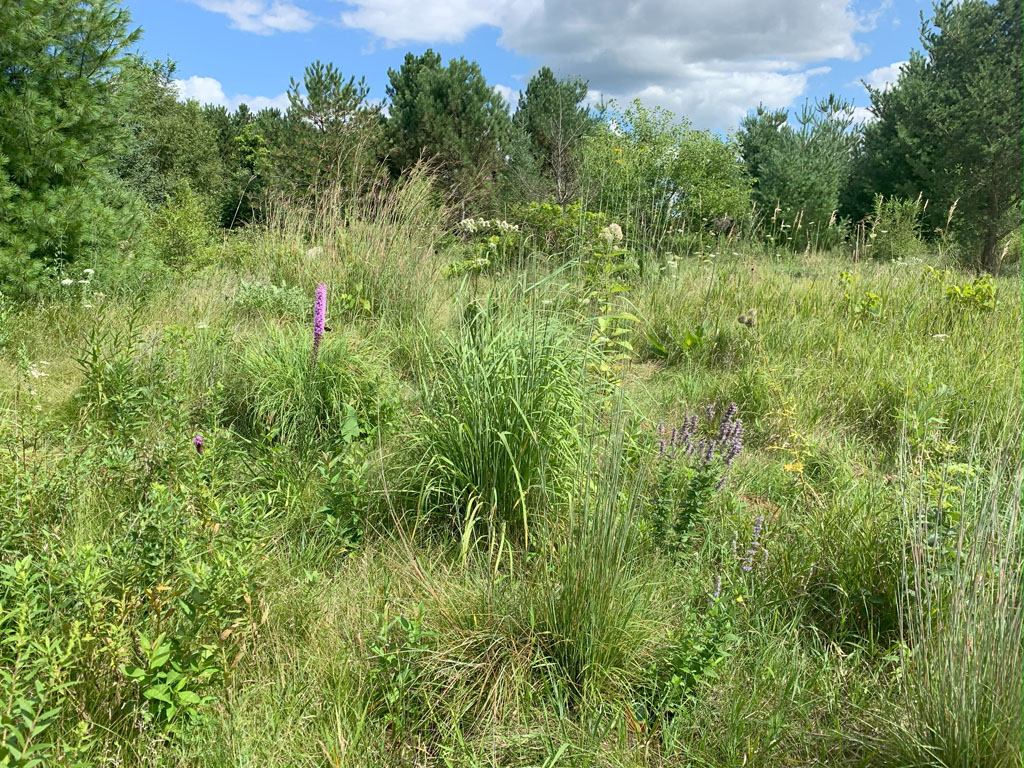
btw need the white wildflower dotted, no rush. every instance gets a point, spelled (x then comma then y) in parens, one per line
(67, 281)
(611, 234)
(88, 272)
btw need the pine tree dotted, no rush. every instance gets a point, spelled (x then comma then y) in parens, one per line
(58, 120)
(951, 126)
(450, 116)
(553, 116)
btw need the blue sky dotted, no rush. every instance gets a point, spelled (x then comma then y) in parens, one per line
(709, 61)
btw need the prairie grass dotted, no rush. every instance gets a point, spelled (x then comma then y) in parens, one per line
(437, 546)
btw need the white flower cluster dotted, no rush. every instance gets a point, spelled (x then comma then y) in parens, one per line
(612, 234)
(485, 226)
(67, 282)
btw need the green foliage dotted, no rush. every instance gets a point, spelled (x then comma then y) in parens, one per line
(561, 232)
(330, 140)
(957, 614)
(501, 404)
(950, 127)
(397, 675)
(274, 390)
(170, 684)
(168, 145)
(553, 118)
(591, 604)
(651, 171)
(980, 293)
(895, 228)
(181, 229)
(282, 302)
(34, 667)
(58, 119)
(690, 663)
(449, 116)
(800, 172)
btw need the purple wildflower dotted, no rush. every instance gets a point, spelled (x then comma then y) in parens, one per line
(755, 544)
(197, 441)
(319, 318)
(718, 590)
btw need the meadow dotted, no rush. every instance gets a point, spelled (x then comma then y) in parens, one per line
(539, 496)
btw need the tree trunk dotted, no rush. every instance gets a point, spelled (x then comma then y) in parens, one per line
(990, 245)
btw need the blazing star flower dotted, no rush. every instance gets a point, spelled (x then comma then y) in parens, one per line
(197, 441)
(319, 318)
(319, 312)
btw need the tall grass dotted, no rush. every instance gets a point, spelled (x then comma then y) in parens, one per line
(962, 613)
(503, 398)
(593, 594)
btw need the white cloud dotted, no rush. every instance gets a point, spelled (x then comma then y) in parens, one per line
(863, 115)
(709, 61)
(207, 90)
(442, 21)
(509, 94)
(884, 77)
(261, 17)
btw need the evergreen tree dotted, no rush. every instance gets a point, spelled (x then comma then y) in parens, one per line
(449, 115)
(58, 120)
(800, 173)
(951, 126)
(330, 138)
(554, 118)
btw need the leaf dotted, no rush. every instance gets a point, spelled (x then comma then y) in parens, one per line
(160, 656)
(158, 693)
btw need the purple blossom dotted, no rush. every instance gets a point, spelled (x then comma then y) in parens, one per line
(695, 437)
(319, 312)
(197, 441)
(319, 318)
(755, 544)
(718, 590)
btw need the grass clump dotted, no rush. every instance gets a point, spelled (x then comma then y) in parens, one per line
(503, 400)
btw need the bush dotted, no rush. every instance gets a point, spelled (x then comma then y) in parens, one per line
(895, 228)
(181, 230)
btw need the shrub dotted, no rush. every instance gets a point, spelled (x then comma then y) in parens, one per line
(895, 228)
(181, 229)
(278, 301)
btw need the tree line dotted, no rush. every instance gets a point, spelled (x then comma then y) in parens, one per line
(94, 140)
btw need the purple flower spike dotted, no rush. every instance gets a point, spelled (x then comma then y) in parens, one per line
(319, 318)
(197, 441)
(319, 312)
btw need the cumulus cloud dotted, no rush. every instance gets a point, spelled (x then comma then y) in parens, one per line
(509, 94)
(208, 90)
(884, 77)
(261, 17)
(431, 21)
(709, 61)
(863, 115)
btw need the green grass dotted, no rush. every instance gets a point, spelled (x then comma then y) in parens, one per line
(438, 546)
